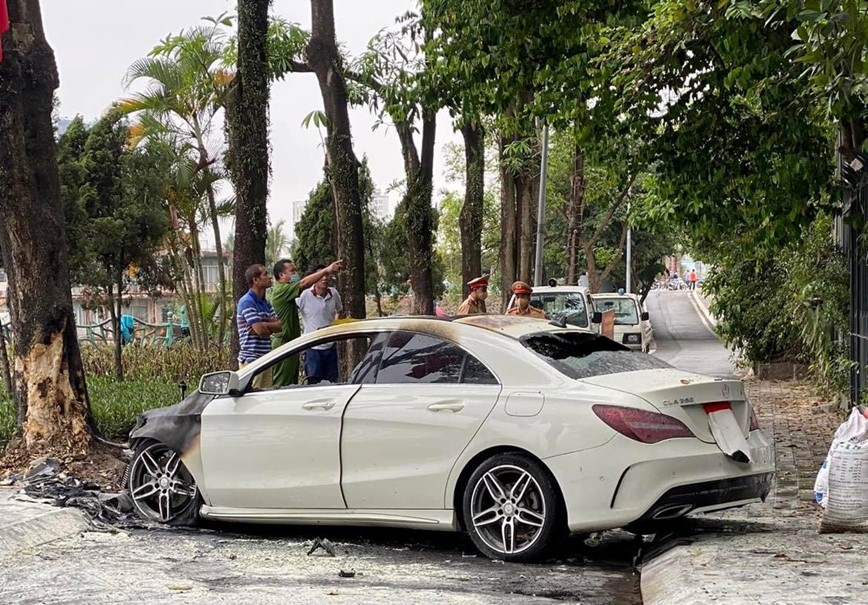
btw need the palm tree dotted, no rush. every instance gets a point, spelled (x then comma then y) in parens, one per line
(276, 243)
(187, 87)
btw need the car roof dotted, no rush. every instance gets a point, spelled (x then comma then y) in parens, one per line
(599, 295)
(456, 327)
(560, 289)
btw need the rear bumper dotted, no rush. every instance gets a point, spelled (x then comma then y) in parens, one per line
(708, 496)
(623, 481)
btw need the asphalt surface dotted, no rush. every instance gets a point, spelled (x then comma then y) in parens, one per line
(249, 564)
(684, 338)
(233, 565)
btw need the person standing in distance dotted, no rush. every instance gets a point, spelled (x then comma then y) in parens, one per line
(475, 303)
(319, 307)
(256, 322)
(288, 287)
(522, 306)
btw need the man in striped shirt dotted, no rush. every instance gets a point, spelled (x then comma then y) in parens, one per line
(256, 322)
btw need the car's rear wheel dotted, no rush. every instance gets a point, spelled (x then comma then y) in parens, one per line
(512, 509)
(161, 487)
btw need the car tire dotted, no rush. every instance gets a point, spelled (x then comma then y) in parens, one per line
(160, 486)
(512, 508)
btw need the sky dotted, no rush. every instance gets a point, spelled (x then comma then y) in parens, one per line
(95, 42)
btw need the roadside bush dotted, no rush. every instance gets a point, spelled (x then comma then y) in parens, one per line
(7, 418)
(181, 361)
(787, 305)
(115, 405)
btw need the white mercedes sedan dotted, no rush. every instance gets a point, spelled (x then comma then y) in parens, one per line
(515, 430)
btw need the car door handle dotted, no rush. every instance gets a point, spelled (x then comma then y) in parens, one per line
(450, 406)
(319, 405)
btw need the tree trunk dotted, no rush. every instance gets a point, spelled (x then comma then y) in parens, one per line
(528, 185)
(49, 377)
(342, 165)
(574, 215)
(508, 233)
(221, 272)
(116, 306)
(8, 386)
(419, 173)
(205, 162)
(247, 124)
(471, 217)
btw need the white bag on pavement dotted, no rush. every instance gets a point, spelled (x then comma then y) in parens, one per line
(846, 496)
(855, 428)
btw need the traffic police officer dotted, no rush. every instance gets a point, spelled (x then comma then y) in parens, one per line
(475, 303)
(522, 302)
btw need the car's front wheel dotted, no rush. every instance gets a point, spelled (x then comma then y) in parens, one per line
(512, 509)
(160, 486)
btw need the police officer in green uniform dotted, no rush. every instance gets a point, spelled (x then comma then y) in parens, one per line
(288, 286)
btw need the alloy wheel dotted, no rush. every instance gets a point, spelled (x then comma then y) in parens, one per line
(161, 487)
(508, 509)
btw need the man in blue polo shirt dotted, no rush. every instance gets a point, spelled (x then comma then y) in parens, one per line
(256, 322)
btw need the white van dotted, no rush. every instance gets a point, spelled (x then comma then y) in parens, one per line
(632, 328)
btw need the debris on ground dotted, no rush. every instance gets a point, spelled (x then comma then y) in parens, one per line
(347, 574)
(45, 482)
(323, 543)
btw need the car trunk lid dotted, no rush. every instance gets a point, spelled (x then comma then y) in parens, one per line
(700, 402)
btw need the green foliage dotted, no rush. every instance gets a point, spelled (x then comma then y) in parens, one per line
(395, 258)
(116, 405)
(315, 242)
(112, 197)
(791, 305)
(7, 418)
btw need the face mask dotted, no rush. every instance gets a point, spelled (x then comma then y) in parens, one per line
(295, 277)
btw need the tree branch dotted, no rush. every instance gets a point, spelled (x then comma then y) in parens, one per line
(611, 212)
(300, 67)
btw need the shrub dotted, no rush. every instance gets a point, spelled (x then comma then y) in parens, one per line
(181, 361)
(116, 405)
(790, 304)
(7, 418)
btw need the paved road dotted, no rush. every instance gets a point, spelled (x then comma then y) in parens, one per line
(212, 567)
(684, 339)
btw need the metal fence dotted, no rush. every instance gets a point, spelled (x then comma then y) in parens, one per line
(849, 229)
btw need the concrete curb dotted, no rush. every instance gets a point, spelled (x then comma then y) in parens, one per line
(25, 525)
(668, 579)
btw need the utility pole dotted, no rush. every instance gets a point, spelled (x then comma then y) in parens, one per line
(629, 253)
(541, 209)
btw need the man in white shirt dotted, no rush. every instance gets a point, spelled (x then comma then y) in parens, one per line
(318, 307)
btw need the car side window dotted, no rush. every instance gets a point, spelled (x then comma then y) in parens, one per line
(417, 358)
(365, 371)
(367, 348)
(476, 373)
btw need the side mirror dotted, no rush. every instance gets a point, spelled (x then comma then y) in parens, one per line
(644, 316)
(597, 317)
(219, 383)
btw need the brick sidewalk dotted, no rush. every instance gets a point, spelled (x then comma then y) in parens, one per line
(770, 553)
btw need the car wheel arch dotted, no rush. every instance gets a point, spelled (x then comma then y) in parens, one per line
(479, 458)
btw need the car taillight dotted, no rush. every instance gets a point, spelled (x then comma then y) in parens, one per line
(754, 422)
(646, 427)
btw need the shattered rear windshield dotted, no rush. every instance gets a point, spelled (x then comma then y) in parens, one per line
(582, 355)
